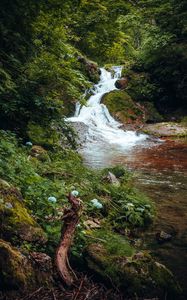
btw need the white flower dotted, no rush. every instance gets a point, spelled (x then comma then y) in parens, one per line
(130, 204)
(29, 144)
(75, 193)
(140, 209)
(52, 199)
(96, 203)
(8, 205)
(148, 206)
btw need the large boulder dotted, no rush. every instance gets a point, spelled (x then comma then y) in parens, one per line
(123, 108)
(136, 273)
(15, 221)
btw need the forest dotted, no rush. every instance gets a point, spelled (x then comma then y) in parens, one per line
(93, 149)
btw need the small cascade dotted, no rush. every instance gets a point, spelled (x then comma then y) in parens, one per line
(101, 125)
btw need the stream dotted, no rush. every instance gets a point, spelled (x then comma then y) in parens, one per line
(160, 171)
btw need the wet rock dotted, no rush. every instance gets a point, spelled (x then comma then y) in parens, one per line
(111, 178)
(82, 130)
(121, 83)
(15, 220)
(162, 237)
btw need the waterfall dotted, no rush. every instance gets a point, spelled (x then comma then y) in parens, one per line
(101, 125)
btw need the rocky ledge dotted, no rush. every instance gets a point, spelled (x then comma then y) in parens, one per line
(166, 129)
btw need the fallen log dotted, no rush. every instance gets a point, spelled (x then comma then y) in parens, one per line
(70, 220)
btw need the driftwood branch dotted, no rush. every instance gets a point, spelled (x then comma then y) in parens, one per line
(70, 220)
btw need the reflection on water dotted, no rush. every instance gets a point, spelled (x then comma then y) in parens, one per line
(161, 173)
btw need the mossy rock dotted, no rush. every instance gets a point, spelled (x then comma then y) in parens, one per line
(134, 272)
(122, 107)
(43, 136)
(15, 271)
(40, 153)
(15, 220)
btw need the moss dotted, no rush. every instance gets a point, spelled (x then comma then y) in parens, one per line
(136, 273)
(15, 272)
(122, 107)
(15, 219)
(43, 136)
(114, 243)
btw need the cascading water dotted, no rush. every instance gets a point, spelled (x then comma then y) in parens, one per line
(96, 116)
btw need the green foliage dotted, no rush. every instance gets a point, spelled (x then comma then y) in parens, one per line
(163, 52)
(61, 172)
(140, 87)
(129, 208)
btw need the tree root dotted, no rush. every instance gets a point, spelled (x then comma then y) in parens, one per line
(70, 218)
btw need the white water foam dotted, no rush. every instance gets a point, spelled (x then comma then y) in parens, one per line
(102, 126)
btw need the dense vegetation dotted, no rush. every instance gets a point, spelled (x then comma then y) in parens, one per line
(49, 52)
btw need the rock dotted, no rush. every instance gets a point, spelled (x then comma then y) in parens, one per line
(122, 107)
(40, 153)
(42, 260)
(81, 129)
(162, 237)
(121, 83)
(4, 183)
(36, 150)
(19, 272)
(15, 220)
(111, 178)
(166, 129)
(136, 274)
(16, 271)
(90, 68)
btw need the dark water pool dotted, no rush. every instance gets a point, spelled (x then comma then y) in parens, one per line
(160, 171)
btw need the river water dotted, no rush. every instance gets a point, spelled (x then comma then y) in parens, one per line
(160, 171)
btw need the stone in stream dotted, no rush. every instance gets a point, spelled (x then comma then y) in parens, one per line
(111, 178)
(121, 83)
(82, 130)
(162, 237)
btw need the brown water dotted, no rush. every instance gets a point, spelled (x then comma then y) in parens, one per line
(161, 173)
